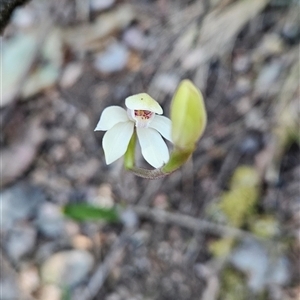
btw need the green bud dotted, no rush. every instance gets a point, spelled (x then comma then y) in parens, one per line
(188, 115)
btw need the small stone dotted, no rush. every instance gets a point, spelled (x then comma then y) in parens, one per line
(20, 241)
(265, 82)
(114, 59)
(67, 268)
(71, 74)
(50, 221)
(252, 258)
(104, 196)
(251, 143)
(100, 5)
(58, 153)
(23, 17)
(45, 250)
(242, 63)
(141, 237)
(82, 121)
(243, 85)
(244, 105)
(72, 228)
(50, 292)
(83, 171)
(17, 203)
(29, 279)
(134, 63)
(82, 242)
(74, 144)
(135, 39)
(9, 287)
(161, 201)
(129, 218)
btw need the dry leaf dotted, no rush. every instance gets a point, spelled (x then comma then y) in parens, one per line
(19, 156)
(219, 30)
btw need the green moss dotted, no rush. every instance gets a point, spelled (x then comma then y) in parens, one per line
(221, 247)
(264, 226)
(238, 204)
(233, 285)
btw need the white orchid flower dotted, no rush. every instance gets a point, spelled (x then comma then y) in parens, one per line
(142, 115)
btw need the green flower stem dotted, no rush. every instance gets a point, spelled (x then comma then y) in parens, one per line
(129, 156)
(177, 159)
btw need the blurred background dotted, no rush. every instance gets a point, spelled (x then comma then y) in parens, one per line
(224, 226)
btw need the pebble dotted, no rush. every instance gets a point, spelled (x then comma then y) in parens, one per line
(24, 17)
(114, 59)
(50, 221)
(251, 143)
(29, 279)
(20, 241)
(50, 292)
(129, 218)
(58, 153)
(135, 39)
(243, 85)
(9, 289)
(82, 121)
(242, 63)
(83, 171)
(265, 82)
(26, 198)
(261, 269)
(67, 268)
(82, 242)
(71, 74)
(74, 144)
(100, 5)
(141, 238)
(244, 105)
(103, 197)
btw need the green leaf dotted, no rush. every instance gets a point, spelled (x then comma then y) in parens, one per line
(86, 212)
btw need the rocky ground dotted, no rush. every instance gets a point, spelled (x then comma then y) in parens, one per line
(179, 237)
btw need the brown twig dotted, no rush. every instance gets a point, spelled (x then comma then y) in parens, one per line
(189, 222)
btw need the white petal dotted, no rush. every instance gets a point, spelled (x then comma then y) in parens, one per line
(111, 116)
(163, 125)
(143, 102)
(116, 140)
(154, 149)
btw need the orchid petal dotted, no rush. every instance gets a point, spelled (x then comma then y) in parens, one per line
(163, 125)
(154, 149)
(111, 116)
(115, 141)
(143, 102)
